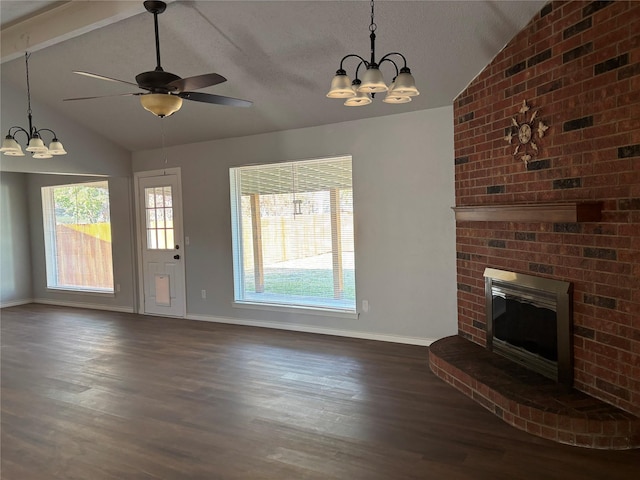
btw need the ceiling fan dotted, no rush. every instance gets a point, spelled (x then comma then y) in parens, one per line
(165, 91)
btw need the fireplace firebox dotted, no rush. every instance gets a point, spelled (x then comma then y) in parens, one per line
(529, 322)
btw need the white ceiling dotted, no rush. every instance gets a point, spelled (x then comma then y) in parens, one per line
(279, 54)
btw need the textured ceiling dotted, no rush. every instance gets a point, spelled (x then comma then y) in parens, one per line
(279, 54)
(12, 12)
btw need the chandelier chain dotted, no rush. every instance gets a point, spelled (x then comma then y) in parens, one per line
(26, 60)
(372, 26)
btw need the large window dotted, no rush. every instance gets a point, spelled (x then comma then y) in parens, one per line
(292, 229)
(77, 234)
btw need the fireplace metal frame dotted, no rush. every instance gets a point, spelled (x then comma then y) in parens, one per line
(561, 372)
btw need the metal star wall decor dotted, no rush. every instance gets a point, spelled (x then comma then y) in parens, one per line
(526, 132)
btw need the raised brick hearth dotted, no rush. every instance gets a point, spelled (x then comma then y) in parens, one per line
(530, 401)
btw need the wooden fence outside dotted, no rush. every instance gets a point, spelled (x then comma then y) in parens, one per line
(84, 259)
(281, 237)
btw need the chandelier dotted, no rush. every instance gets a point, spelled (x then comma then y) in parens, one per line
(35, 144)
(360, 92)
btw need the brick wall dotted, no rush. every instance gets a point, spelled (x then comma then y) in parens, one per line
(578, 64)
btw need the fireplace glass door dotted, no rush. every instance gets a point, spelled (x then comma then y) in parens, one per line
(525, 322)
(529, 322)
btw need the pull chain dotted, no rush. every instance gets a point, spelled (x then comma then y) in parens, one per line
(164, 150)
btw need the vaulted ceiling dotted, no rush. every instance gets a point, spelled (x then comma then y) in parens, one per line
(279, 54)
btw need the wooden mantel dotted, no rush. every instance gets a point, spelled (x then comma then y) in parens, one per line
(532, 212)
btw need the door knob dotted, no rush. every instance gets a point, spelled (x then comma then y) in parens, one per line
(177, 257)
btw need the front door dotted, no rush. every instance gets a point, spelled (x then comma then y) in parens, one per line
(159, 216)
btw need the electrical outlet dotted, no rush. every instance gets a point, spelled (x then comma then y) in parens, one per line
(204, 294)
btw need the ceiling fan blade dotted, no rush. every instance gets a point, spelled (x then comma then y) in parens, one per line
(217, 99)
(102, 77)
(197, 82)
(102, 96)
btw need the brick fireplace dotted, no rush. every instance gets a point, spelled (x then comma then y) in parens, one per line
(578, 65)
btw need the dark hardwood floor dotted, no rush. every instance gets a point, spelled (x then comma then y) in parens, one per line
(97, 395)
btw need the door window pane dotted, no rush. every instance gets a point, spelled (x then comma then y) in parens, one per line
(159, 214)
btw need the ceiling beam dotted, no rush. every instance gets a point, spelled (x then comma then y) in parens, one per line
(61, 23)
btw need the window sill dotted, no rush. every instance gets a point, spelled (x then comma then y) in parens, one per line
(323, 312)
(75, 291)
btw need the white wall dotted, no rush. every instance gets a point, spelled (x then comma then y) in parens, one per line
(88, 152)
(15, 261)
(403, 179)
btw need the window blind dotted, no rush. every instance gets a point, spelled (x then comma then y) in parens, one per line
(293, 233)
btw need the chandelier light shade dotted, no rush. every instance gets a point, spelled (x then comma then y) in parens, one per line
(405, 84)
(161, 104)
(11, 148)
(402, 88)
(360, 98)
(35, 144)
(392, 98)
(56, 148)
(372, 81)
(341, 86)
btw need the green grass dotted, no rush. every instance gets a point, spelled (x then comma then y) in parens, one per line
(303, 282)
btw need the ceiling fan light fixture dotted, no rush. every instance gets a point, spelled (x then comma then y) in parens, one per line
(165, 90)
(46, 154)
(161, 104)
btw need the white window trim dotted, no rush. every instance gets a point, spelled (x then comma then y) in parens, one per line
(238, 259)
(83, 291)
(298, 309)
(50, 246)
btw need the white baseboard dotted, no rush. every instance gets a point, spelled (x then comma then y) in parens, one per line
(309, 329)
(15, 303)
(92, 306)
(425, 342)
